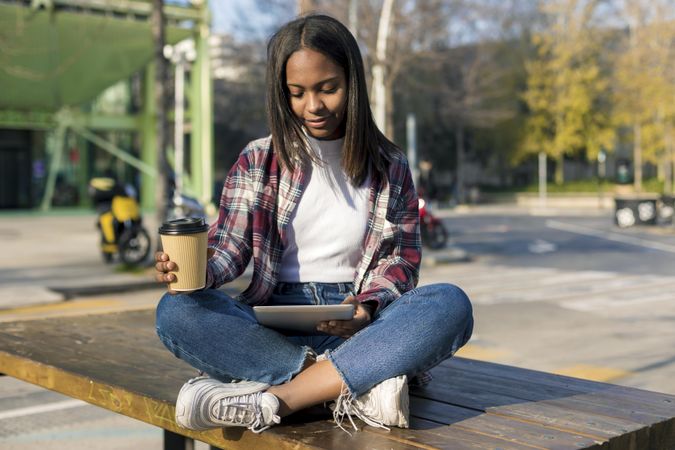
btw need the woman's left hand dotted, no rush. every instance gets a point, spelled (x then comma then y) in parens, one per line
(346, 328)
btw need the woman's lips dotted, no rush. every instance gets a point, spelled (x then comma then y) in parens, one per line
(316, 123)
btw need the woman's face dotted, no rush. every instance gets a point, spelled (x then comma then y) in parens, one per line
(318, 91)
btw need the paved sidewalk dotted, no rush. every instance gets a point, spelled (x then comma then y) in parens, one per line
(49, 258)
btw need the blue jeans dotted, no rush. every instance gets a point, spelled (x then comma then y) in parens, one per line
(220, 336)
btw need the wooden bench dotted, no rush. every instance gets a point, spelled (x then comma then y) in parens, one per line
(115, 361)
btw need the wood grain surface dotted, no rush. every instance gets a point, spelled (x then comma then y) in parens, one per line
(116, 361)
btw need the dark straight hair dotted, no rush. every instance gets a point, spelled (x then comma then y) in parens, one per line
(365, 147)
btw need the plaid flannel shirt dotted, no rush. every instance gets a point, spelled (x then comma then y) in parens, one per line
(258, 198)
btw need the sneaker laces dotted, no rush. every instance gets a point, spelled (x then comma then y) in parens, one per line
(346, 406)
(244, 410)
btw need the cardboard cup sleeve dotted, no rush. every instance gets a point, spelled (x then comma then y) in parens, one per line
(188, 251)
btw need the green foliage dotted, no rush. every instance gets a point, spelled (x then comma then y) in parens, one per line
(129, 268)
(644, 86)
(566, 88)
(653, 185)
(590, 186)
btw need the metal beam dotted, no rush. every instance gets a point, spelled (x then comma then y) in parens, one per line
(142, 9)
(116, 151)
(201, 114)
(27, 120)
(54, 166)
(148, 138)
(43, 120)
(108, 123)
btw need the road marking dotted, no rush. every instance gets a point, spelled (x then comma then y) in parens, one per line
(585, 290)
(482, 353)
(593, 373)
(30, 410)
(610, 236)
(541, 246)
(63, 306)
(534, 283)
(480, 276)
(603, 303)
(75, 308)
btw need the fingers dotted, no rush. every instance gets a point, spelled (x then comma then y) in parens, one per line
(351, 299)
(165, 277)
(164, 266)
(331, 328)
(347, 328)
(342, 328)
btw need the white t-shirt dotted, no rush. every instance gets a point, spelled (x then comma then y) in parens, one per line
(327, 228)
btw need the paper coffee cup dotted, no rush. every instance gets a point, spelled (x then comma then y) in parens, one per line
(185, 241)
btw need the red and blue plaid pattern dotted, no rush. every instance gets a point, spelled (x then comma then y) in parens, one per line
(258, 198)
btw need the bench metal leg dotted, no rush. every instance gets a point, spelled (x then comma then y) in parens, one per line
(173, 441)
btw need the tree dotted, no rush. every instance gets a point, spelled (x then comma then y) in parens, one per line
(456, 64)
(416, 27)
(305, 6)
(567, 87)
(239, 98)
(471, 87)
(645, 84)
(438, 64)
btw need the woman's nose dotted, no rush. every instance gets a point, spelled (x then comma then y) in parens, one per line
(314, 103)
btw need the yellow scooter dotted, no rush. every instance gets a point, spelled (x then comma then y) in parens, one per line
(119, 222)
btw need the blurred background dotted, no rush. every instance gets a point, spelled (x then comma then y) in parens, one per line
(500, 97)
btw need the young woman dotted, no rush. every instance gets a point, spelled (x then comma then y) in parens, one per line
(327, 209)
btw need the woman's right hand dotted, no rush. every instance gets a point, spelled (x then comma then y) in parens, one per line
(163, 267)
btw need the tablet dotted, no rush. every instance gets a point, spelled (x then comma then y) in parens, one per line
(301, 317)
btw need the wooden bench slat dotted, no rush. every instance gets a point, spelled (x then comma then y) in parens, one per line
(659, 399)
(442, 413)
(590, 424)
(309, 435)
(498, 427)
(127, 372)
(582, 400)
(652, 409)
(529, 433)
(433, 435)
(327, 436)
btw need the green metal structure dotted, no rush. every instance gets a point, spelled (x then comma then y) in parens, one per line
(58, 56)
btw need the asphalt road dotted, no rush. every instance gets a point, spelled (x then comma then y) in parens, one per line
(565, 242)
(572, 295)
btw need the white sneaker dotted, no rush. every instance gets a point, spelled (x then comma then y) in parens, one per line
(384, 404)
(204, 403)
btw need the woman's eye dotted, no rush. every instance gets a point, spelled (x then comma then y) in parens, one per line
(295, 94)
(330, 90)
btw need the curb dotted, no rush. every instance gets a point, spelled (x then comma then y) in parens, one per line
(80, 291)
(448, 255)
